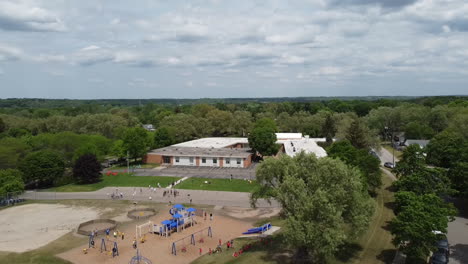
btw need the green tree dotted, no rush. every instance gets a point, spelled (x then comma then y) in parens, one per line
(11, 181)
(322, 200)
(418, 217)
(329, 129)
(426, 180)
(447, 148)
(86, 149)
(163, 137)
(2, 126)
(136, 141)
(365, 162)
(42, 168)
(12, 151)
(458, 176)
(87, 169)
(118, 149)
(412, 161)
(359, 135)
(263, 140)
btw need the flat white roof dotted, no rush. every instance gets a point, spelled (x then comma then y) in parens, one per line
(213, 142)
(308, 145)
(288, 135)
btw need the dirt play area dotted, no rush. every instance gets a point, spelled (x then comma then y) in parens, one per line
(157, 248)
(31, 226)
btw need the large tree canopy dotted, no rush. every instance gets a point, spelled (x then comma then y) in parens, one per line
(42, 167)
(263, 138)
(87, 169)
(447, 148)
(136, 141)
(323, 200)
(418, 216)
(365, 162)
(163, 137)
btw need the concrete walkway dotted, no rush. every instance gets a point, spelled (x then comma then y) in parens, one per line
(238, 199)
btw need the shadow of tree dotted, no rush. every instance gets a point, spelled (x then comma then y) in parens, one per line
(460, 253)
(390, 205)
(386, 255)
(387, 226)
(348, 251)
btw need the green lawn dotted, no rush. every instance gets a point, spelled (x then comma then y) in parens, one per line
(119, 180)
(217, 185)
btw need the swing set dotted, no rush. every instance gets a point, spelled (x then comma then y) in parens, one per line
(193, 239)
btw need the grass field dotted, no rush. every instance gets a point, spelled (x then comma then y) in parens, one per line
(119, 180)
(234, 185)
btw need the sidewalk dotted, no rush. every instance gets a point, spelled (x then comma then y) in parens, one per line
(238, 199)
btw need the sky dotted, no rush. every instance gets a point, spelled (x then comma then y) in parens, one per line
(91, 49)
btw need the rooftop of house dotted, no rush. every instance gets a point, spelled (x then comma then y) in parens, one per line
(308, 145)
(202, 152)
(421, 142)
(213, 142)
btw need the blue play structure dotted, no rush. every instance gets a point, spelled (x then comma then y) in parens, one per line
(260, 229)
(180, 218)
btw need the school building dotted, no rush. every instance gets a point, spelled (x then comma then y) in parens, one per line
(229, 152)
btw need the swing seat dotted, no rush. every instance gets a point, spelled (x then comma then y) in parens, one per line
(184, 249)
(201, 240)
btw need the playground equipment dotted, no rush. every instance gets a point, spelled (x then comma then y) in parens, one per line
(262, 229)
(98, 225)
(181, 218)
(91, 241)
(141, 213)
(193, 239)
(103, 245)
(139, 259)
(143, 229)
(115, 250)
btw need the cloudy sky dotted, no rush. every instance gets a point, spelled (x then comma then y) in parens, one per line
(214, 48)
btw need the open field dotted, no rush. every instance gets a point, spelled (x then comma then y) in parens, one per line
(234, 185)
(119, 180)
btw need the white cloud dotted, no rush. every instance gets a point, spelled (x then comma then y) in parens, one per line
(10, 53)
(24, 16)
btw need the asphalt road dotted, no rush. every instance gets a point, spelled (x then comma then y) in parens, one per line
(458, 239)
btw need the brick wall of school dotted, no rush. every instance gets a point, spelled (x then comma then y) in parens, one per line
(152, 158)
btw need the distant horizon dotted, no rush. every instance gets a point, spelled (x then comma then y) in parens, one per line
(234, 98)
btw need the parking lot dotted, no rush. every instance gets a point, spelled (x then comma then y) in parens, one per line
(201, 172)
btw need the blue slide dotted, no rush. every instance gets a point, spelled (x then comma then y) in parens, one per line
(260, 229)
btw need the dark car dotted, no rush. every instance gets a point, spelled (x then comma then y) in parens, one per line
(389, 165)
(439, 258)
(443, 246)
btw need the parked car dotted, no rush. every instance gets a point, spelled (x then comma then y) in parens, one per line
(389, 165)
(443, 246)
(439, 258)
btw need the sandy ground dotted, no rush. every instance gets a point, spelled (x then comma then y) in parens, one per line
(242, 213)
(31, 226)
(158, 249)
(96, 226)
(142, 213)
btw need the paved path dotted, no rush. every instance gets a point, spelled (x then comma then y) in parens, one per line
(385, 156)
(239, 199)
(458, 239)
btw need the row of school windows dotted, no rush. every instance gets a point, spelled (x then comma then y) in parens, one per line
(203, 160)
